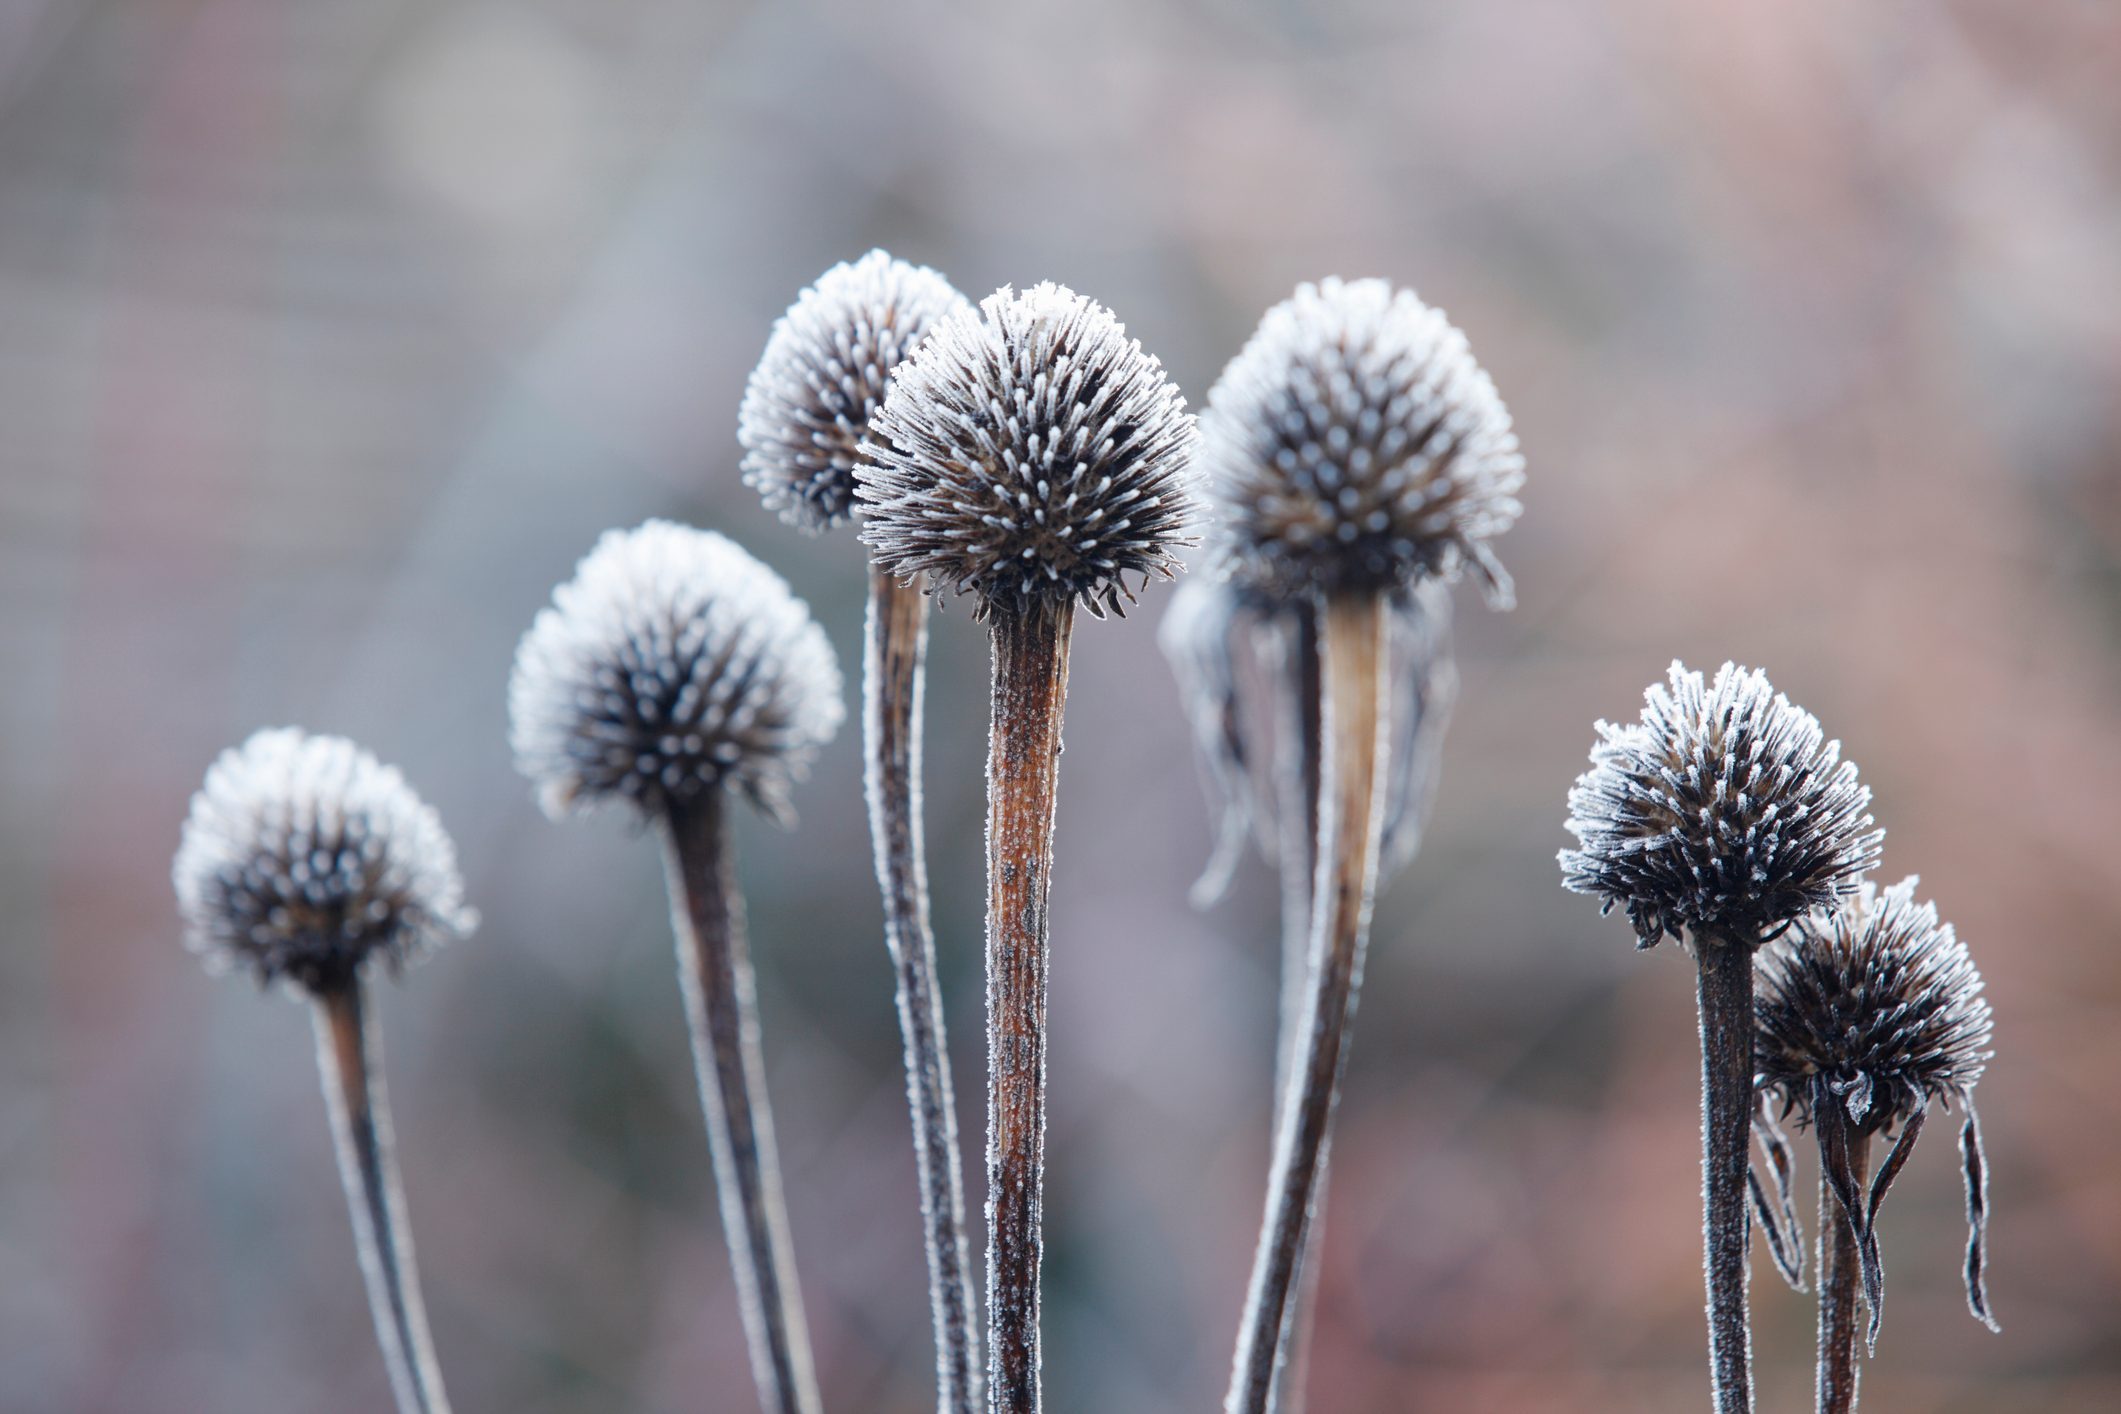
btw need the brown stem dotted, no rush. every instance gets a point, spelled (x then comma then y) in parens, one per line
(1297, 761)
(1840, 1279)
(1023, 758)
(349, 1055)
(721, 1006)
(896, 645)
(1726, 994)
(1349, 818)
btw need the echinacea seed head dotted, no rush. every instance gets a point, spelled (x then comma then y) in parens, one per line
(1724, 812)
(672, 663)
(825, 372)
(1354, 445)
(1879, 998)
(304, 857)
(1029, 452)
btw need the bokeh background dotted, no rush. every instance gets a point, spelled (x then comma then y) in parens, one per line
(331, 335)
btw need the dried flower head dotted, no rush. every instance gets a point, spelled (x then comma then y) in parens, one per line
(1354, 444)
(1724, 811)
(673, 662)
(825, 372)
(1029, 450)
(1867, 1012)
(304, 856)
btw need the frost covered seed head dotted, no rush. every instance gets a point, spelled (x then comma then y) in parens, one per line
(1879, 998)
(673, 662)
(825, 372)
(1867, 1011)
(1353, 444)
(1028, 451)
(304, 856)
(1724, 811)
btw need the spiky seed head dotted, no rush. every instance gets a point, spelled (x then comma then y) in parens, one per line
(825, 372)
(1880, 998)
(1029, 451)
(1724, 812)
(1354, 445)
(672, 663)
(304, 857)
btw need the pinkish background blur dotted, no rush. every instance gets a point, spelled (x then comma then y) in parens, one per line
(331, 335)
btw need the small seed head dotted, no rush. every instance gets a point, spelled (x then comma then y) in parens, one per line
(303, 857)
(1354, 445)
(825, 372)
(1724, 811)
(673, 662)
(1029, 451)
(1879, 997)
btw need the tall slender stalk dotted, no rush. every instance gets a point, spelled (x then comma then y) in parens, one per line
(1726, 993)
(1840, 1278)
(893, 687)
(349, 1057)
(1352, 649)
(1023, 758)
(721, 1005)
(1297, 758)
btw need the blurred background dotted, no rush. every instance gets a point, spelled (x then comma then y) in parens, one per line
(331, 335)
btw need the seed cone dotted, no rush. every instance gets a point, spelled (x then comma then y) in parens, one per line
(1354, 445)
(824, 374)
(1868, 1012)
(1028, 451)
(1724, 810)
(304, 856)
(673, 662)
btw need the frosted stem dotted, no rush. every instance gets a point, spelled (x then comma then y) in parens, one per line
(1297, 767)
(1726, 993)
(721, 1007)
(349, 1056)
(893, 686)
(1840, 1278)
(1354, 684)
(1023, 759)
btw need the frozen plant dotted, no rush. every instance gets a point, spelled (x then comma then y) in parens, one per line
(308, 863)
(673, 669)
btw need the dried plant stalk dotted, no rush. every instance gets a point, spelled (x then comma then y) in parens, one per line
(1726, 994)
(1030, 688)
(1297, 757)
(349, 1057)
(1353, 656)
(893, 683)
(721, 1006)
(1840, 1279)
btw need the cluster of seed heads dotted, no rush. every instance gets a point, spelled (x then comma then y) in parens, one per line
(303, 857)
(1877, 997)
(1028, 451)
(1724, 812)
(1354, 444)
(825, 372)
(672, 663)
